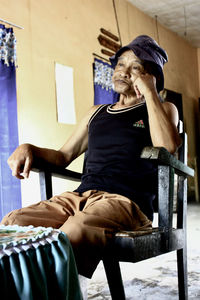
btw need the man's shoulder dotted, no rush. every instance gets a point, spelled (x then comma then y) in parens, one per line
(94, 111)
(90, 113)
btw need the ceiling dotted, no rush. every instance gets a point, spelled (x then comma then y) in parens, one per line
(180, 16)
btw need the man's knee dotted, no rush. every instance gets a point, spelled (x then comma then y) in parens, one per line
(74, 230)
(82, 233)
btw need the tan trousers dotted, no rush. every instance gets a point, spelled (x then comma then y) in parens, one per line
(89, 220)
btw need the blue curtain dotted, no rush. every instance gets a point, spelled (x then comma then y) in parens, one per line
(103, 92)
(10, 189)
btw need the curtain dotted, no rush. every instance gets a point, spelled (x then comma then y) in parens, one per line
(10, 189)
(103, 91)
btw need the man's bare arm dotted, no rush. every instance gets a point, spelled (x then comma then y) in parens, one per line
(163, 121)
(163, 117)
(22, 158)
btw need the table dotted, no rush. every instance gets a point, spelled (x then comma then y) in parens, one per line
(37, 263)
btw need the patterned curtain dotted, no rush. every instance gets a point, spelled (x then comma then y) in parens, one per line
(103, 92)
(10, 190)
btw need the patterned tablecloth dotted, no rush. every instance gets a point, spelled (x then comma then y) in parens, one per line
(37, 263)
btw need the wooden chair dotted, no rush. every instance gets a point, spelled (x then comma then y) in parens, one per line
(137, 246)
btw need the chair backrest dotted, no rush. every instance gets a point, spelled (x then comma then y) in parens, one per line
(182, 156)
(172, 192)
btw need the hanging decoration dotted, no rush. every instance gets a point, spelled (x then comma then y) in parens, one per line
(7, 46)
(103, 91)
(103, 74)
(109, 41)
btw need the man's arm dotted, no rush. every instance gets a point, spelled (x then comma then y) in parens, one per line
(163, 117)
(22, 158)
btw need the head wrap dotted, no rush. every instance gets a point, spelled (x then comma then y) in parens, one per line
(146, 49)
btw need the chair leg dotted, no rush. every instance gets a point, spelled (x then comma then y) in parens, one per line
(182, 274)
(114, 278)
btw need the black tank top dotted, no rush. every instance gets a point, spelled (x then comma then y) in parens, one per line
(116, 140)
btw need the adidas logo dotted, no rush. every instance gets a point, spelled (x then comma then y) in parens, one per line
(139, 123)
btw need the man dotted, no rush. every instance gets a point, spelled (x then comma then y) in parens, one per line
(117, 188)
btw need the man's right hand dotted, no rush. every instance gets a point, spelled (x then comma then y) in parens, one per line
(20, 161)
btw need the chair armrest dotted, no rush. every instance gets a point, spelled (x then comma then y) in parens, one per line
(159, 154)
(162, 156)
(56, 171)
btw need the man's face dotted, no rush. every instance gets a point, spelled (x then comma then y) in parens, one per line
(127, 70)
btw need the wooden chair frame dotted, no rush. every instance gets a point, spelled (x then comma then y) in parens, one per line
(137, 246)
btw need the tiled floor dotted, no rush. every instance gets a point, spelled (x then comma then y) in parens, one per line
(156, 278)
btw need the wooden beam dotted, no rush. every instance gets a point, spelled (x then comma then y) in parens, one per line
(106, 52)
(107, 43)
(109, 34)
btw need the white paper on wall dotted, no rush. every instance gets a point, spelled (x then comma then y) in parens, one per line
(65, 94)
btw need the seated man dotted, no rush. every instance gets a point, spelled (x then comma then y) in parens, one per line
(117, 189)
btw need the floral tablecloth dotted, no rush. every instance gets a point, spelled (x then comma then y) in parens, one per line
(37, 263)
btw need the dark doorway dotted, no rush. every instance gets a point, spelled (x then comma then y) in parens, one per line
(175, 98)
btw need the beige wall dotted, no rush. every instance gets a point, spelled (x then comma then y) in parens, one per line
(65, 31)
(198, 57)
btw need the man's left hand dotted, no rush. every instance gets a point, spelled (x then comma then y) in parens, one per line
(144, 84)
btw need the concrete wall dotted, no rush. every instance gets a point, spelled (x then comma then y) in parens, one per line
(65, 31)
